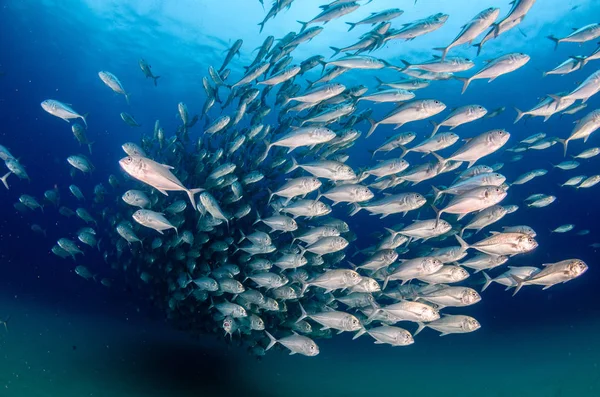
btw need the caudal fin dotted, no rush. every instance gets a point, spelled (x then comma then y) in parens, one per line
(336, 51)
(565, 143)
(4, 179)
(438, 213)
(262, 26)
(155, 80)
(555, 40)
(519, 282)
(190, 193)
(404, 151)
(520, 115)
(463, 243)
(84, 119)
(442, 161)
(355, 209)
(352, 25)
(294, 165)
(488, 281)
(374, 125)
(436, 127)
(258, 219)
(360, 332)
(444, 51)
(303, 315)
(5, 323)
(271, 194)
(466, 81)
(272, 340)
(421, 328)
(304, 25)
(436, 194)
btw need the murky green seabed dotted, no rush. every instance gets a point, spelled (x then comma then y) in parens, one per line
(52, 352)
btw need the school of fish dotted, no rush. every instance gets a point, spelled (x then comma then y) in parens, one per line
(235, 223)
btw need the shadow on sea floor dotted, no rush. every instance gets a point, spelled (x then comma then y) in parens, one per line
(183, 369)
(53, 351)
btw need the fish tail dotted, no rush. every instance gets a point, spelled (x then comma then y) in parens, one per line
(243, 236)
(436, 193)
(352, 25)
(190, 193)
(565, 143)
(478, 46)
(405, 151)
(385, 282)
(496, 29)
(436, 127)
(376, 311)
(379, 81)
(520, 115)
(488, 281)
(127, 98)
(84, 118)
(360, 332)
(555, 40)
(336, 51)
(294, 165)
(258, 219)
(374, 125)
(304, 25)
(156, 80)
(5, 323)
(463, 243)
(271, 194)
(303, 315)
(438, 214)
(442, 161)
(4, 179)
(444, 51)
(90, 146)
(421, 328)
(272, 340)
(355, 209)
(466, 81)
(406, 65)
(519, 282)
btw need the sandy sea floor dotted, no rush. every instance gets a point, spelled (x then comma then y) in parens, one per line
(57, 349)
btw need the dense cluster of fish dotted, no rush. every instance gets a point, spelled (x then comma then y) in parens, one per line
(260, 257)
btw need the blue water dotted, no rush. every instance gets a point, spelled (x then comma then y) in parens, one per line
(69, 337)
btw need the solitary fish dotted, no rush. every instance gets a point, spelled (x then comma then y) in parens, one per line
(62, 110)
(113, 83)
(147, 69)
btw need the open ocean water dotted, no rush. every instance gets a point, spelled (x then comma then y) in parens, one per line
(68, 336)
